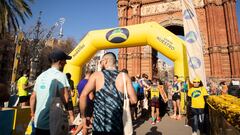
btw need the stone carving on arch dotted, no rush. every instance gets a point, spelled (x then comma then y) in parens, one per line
(171, 22)
(122, 12)
(178, 22)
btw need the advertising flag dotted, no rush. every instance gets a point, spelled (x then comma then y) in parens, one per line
(193, 42)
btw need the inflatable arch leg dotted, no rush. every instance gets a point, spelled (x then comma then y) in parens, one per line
(151, 34)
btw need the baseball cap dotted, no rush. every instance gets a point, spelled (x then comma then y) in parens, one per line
(59, 55)
(196, 79)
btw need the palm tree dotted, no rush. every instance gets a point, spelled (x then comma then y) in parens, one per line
(11, 11)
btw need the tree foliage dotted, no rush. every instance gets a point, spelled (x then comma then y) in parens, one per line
(11, 11)
(67, 45)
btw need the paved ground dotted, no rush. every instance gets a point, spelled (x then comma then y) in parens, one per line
(167, 126)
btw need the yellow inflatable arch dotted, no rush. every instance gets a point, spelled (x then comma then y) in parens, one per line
(151, 34)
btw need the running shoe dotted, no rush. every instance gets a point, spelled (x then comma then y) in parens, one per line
(158, 119)
(173, 117)
(153, 123)
(72, 130)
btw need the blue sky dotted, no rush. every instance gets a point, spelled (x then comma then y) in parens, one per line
(81, 16)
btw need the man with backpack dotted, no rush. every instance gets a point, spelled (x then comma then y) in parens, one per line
(49, 84)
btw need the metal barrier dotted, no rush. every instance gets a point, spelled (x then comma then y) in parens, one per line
(22, 119)
(219, 125)
(14, 121)
(6, 121)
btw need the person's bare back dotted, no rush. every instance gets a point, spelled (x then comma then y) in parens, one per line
(99, 83)
(108, 85)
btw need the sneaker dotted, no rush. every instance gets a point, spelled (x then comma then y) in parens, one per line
(153, 123)
(158, 119)
(72, 130)
(194, 133)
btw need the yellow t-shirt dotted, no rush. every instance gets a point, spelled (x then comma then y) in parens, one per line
(22, 81)
(197, 96)
(154, 92)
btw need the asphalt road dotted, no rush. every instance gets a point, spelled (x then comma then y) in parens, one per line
(167, 126)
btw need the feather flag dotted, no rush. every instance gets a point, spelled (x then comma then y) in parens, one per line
(193, 42)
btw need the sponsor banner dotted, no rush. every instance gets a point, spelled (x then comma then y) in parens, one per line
(166, 42)
(193, 42)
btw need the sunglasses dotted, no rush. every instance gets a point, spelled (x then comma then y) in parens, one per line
(196, 82)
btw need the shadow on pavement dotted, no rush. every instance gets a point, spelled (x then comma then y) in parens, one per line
(138, 123)
(146, 115)
(154, 131)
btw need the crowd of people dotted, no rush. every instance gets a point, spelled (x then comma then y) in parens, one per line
(100, 98)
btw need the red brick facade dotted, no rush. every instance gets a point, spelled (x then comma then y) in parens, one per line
(218, 28)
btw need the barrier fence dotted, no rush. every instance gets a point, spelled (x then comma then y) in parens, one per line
(219, 125)
(14, 121)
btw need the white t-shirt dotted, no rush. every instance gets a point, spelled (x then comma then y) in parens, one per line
(44, 89)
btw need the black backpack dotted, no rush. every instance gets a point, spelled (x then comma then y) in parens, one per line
(58, 116)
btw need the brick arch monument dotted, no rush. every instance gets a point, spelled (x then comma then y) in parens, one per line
(218, 28)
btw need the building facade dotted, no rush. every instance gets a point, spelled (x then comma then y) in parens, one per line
(165, 71)
(218, 28)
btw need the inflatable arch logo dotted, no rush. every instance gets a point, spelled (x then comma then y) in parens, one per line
(117, 35)
(151, 34)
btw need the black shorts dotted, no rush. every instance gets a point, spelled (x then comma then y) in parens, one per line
(89, 109)
(70, 106)
(23, 99)
(176, 96)
(155, 102)
(140, 96)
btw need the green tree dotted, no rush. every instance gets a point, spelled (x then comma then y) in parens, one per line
(11, 11)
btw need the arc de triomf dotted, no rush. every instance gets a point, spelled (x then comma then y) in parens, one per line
(218, 28)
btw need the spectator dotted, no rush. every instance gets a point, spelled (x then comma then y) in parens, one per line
(23, 88)
(214, 88)
(71, 94)
(140, 94)
(136, 87)
(146, 87)
(234, 88)
(223, 88)
(89, 108)
(197, 96)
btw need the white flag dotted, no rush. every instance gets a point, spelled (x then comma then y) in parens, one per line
(193, 42)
